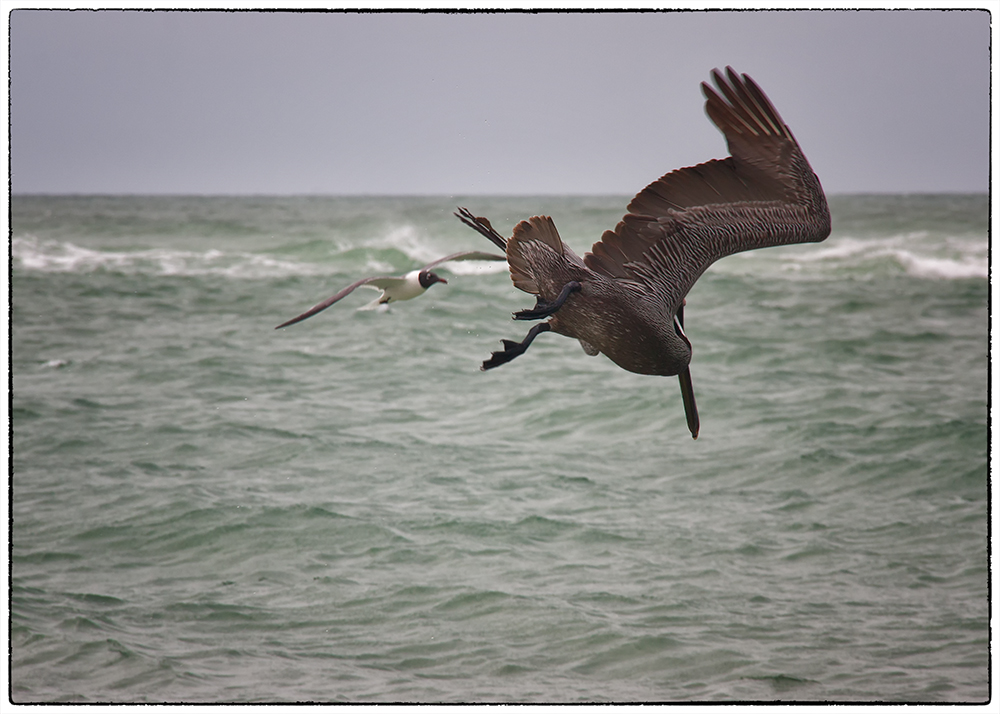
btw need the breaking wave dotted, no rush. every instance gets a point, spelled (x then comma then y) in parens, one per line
(916, 253)
(390, 254)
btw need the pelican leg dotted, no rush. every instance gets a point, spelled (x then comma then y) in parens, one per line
(544, 308)
(512, 349)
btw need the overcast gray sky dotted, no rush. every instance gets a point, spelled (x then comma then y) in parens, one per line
(233, 103)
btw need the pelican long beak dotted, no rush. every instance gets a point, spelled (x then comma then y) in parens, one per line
(687, 388)
(690, 408)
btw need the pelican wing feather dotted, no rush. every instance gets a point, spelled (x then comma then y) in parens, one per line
(764, 194)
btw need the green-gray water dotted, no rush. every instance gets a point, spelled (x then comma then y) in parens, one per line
(206, 509)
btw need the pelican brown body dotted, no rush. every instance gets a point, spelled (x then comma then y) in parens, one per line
(625, 298)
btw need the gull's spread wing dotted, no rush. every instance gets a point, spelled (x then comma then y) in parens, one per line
(466, 255)
(378, 282)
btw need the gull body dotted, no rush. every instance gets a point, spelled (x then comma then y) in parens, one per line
(395, 288)
(625, 298)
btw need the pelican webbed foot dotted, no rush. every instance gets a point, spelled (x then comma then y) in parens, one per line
(512, 349)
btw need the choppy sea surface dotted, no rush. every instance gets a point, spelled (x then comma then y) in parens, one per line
(205, 509)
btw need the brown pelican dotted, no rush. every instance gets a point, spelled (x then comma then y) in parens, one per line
(625, 298)
(396, 288)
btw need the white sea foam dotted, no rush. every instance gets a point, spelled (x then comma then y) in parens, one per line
(55, 363)
(50, 256)
(407, 239)
(917, 253)
(948, 268)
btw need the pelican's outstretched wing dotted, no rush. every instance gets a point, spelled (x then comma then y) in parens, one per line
(378, 282)
(466, 255)
(764, 194)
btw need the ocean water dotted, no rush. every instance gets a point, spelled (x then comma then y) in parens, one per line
(206, 509)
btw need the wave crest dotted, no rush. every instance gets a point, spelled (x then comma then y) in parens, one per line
(61, 257)
(918, 253)
(51, 256)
